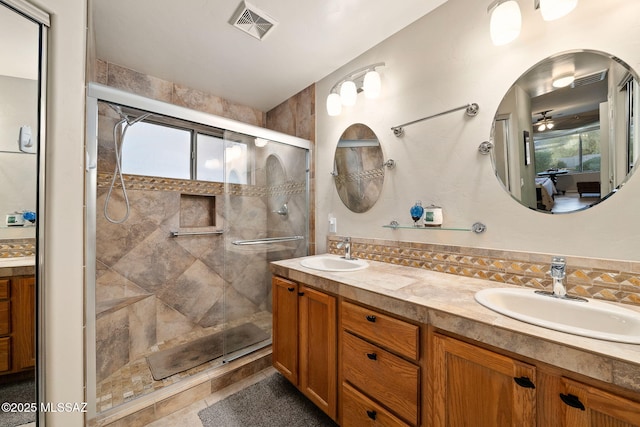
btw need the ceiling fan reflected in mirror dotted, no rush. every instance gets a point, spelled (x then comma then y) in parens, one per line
(544, 122)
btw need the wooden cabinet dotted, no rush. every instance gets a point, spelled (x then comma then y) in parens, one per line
(587, 406)
(304, 341)
(381, 376)
(17, 324)
(471, 386)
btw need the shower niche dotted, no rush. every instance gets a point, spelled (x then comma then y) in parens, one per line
(197, 212)
(186, 276)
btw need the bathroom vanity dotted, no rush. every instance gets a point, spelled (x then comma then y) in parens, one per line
(17, 324)
(414, 348)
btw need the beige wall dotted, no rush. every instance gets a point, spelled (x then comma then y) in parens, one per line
(445, 60)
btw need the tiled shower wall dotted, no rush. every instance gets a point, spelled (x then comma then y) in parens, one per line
(617, 281)
(152, 287)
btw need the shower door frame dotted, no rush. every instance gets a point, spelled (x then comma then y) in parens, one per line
(95, 93)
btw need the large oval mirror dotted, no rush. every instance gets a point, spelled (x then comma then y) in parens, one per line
(358, 168)
(563, 134)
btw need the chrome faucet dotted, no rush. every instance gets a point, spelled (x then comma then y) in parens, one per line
(558, 274)
(346, 242)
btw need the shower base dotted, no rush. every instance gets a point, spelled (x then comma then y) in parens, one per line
(134, 380)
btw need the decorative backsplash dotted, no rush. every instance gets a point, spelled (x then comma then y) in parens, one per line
(15, 248)
(610, 280)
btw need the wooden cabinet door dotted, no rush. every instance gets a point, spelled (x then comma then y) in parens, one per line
(586, 406)
(24, 322)
(474, 387)
(285, 328)
(318, 356)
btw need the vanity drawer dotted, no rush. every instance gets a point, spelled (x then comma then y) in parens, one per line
(4, 289)
(397, 335)
(383, 376)
(358, 410)
(5, 354)
(5, 316)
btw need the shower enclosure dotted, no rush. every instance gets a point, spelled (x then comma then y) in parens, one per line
(184, 213)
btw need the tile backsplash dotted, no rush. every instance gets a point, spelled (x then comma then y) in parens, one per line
(15, 248)
(610, 280)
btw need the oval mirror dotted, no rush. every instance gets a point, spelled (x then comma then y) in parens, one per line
(358, 168)
(563, 134)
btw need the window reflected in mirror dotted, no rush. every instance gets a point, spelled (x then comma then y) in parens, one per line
(564, 147)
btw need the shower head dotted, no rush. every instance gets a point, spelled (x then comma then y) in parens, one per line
(124, 116)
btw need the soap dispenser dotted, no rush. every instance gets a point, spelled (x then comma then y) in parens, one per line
(416, 213)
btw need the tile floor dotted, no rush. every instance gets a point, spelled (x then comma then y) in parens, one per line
(189, 416)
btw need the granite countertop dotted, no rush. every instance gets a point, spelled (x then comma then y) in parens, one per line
(447, 302)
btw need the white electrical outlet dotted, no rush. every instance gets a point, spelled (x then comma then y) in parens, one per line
(333, 224)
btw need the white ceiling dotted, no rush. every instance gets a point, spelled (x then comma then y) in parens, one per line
(191, 42)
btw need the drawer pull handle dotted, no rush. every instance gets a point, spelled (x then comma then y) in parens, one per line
(524, 382)
(572, 401)
(300, 294)
(372, 356)
(291, 289)
(371, 318)
(371, 414)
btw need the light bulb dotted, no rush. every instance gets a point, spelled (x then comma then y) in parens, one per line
(506, 22)
(541, 128)
(334, 104)
(348, 93)
(555, 9)
(549, 125)
(563, 81)
(372, 84)
(261, 142)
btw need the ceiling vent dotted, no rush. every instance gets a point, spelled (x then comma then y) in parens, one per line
(591, 78)
(252, 21)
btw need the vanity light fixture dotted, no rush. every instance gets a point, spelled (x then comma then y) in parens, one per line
(261, 142)
(555, 9)
(506, 19)
(345, 91)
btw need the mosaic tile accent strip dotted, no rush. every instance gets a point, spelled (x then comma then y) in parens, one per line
(15, 248)
(151, 183)
(366, 175)
(617, 281)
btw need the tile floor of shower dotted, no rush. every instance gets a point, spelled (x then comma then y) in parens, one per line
(134, 379)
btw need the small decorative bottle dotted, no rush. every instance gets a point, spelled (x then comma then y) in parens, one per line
(416, 212)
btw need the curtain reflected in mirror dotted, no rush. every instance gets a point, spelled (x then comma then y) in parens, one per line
(358, 168)
(565, 145)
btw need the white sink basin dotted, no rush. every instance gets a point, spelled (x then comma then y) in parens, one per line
(333, 263)
(592, 318)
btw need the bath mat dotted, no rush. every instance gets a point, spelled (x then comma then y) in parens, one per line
(168, 362)
(22, 392)
(272, 402)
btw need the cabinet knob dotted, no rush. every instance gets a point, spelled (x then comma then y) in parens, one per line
(300, 294)
(291, 289)
(371, 318)
(371, 414)
(524, 382)
(372, 356)
(572, 400)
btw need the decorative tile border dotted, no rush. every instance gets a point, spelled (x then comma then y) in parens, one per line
(611, 280)
(151, 183)
(15, 248)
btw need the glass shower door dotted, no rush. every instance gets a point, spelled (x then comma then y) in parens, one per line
(265, 215)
